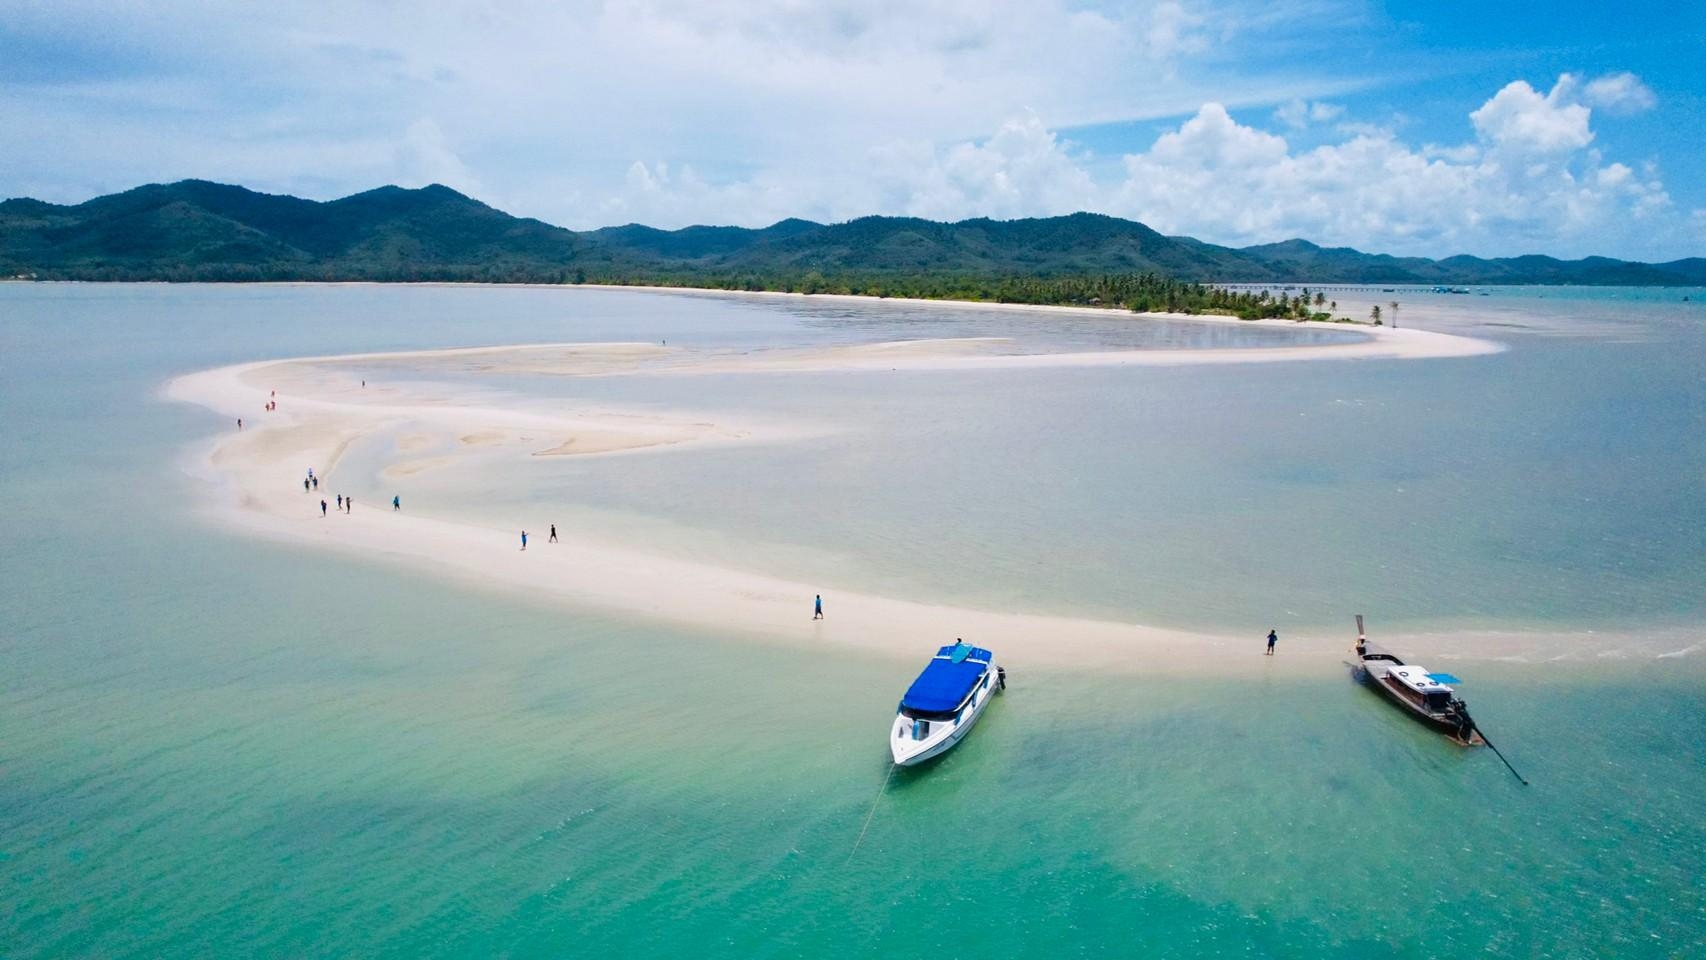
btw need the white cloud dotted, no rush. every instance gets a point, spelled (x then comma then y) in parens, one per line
(1518, 117)
(1461, 153)
(547, 104)
(424, 156)
(747, 111)
(1299, 114)
(1620, 93)
(1173, 30)
(1523, 184)
(1213, 140)
(1530, 181)
(1023, 170)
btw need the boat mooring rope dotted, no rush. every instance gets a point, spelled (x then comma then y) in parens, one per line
(872, 814)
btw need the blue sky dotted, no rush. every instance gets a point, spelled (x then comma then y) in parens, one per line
(1420, 128)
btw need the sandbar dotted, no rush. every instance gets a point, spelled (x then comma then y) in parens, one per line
(324, 411)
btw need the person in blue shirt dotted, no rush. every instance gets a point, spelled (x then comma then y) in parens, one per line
(817, 608)
(1273, 638)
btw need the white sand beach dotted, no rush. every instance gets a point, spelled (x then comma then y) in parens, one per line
(323, 408)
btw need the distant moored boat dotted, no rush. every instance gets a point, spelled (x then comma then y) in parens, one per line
(1428, 697)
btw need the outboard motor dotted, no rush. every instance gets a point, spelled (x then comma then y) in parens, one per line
(1001, 678)
(1459, 712)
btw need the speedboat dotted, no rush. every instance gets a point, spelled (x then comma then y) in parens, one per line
(1425, 695)
(943, 703)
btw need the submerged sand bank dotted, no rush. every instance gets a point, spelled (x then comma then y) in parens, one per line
(324, 411)
(964, 353)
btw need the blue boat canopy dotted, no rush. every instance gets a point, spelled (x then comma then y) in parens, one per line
(947, 679)
(1443, 678)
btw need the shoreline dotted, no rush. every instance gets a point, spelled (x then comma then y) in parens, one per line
(323, 417)
(852, 298)
(942, 354)
(1366, 286)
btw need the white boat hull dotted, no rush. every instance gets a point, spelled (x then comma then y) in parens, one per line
(908, 750)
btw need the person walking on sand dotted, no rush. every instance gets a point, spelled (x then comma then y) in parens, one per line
(348, 502)
(322, 509)
(239, 423)
(304, 484)
(553, 538)
(396, 503)
(316, 483)
(340, 501)
(524, 539)
(817, 607)
(1273, 638)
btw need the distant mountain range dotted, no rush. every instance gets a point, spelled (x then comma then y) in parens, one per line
(196, 230)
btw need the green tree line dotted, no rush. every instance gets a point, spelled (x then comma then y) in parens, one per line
(1138, 292)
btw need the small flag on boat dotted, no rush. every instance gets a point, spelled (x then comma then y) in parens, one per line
(1443, 678)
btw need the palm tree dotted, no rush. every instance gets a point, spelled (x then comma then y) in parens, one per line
(1375, 314)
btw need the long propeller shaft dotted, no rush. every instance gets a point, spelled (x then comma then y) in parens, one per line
(1501, 757)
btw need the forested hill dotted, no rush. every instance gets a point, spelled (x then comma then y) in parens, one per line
(196, 230)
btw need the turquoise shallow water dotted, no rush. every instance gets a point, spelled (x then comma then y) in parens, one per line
(216, 746)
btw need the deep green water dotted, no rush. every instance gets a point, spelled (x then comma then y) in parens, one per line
(215, 746)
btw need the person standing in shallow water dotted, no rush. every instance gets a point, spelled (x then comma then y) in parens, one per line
(817, 607)
(1273, 638)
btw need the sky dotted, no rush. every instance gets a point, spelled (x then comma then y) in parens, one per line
(1431, 128)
